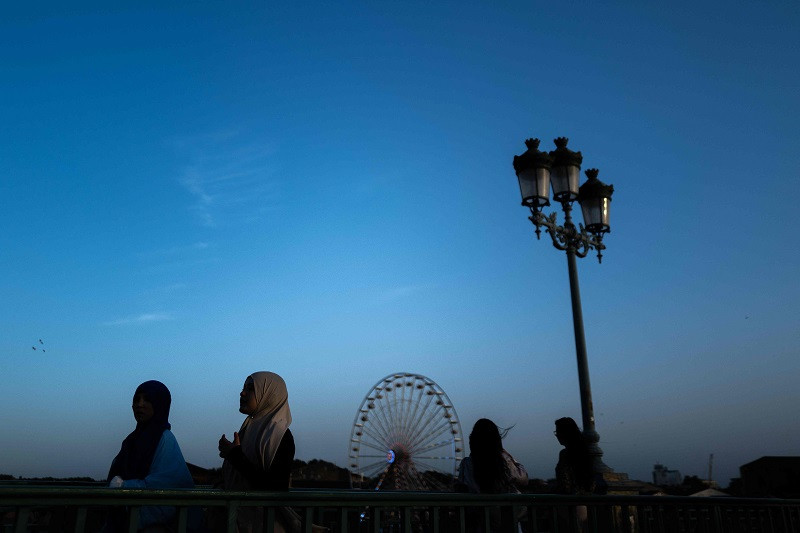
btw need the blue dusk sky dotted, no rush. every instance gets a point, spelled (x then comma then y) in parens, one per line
(195, 191)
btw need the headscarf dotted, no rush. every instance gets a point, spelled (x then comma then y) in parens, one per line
(134, 458)
(261, 432)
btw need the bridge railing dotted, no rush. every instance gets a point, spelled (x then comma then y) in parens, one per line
(84, 510)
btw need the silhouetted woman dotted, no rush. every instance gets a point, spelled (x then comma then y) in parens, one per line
(150, 458)
(574, 473)
(490, 469)
(261, 454)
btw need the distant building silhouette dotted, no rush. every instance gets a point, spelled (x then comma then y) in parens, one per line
(771, 476)
(663, 476)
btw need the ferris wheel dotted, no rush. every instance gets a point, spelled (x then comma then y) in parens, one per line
(406, 436)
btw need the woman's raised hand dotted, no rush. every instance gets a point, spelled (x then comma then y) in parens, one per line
(226, 446)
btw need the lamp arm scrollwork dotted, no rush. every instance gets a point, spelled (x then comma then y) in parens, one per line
(567, 237)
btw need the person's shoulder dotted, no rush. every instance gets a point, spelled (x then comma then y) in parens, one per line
(168, 440)
(465, 466)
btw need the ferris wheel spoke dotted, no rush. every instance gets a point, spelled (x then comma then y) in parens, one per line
(391, 400)
(423, 430)
(396, 414)
(409, 422)
(434, 446)
(382, 421)
(387, 409)
(402, 413)
(376, 448)
(437, 432)
(376, 437)
(426, 417)
(411, 407)
(432, 457)
(373, 468)
(429, 466)
(387, 426)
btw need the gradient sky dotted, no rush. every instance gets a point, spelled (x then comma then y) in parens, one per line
(195, 192)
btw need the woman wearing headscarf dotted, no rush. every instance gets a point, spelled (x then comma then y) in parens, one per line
(261, 453)
(150, 457)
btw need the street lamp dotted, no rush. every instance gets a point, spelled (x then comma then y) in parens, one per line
(537, 171)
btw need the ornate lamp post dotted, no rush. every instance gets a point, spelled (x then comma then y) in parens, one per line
(536, 172)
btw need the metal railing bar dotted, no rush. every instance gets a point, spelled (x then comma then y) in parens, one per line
(80, 520)
(376, 520)
(29, 509)
(343, 519)
(270, 522)
(308, 519)
(133, 520)
(183, 519)
(231, 514)
(22, 519)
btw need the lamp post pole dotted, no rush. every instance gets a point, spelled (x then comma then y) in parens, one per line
(587, 407)
(536, 171)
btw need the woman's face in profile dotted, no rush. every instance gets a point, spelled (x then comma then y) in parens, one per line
(247, 398)
(142, 409)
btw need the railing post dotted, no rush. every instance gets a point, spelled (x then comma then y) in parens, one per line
(183, 518)
(406, 518)
(80, 520)
(233, 510)
(343, 519)
(270, 519)
(133, 520)
(376, 519)
(308, 519)
(22, 520)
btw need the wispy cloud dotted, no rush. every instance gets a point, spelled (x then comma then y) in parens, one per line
(177, 250)
(144, 318)
(228, 181)
(396, 293)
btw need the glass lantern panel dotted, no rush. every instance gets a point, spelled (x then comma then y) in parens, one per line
(565, 182)
(534, 186)
(596, 214)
